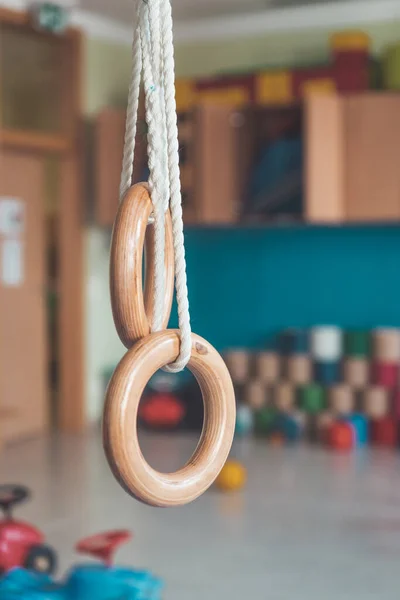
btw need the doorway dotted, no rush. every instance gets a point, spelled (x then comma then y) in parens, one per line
(41, 305)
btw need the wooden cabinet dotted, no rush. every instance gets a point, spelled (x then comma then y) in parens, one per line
(23, 348)
(108, 147)
(348, 170)
(216, 194)
(353, 144)
(208, 161)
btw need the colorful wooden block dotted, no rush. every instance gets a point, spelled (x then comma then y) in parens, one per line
(257, 394)
(284, 397)
(327, 373)
(376, 402)
(312, 398)
(299, 369)
(294, 342)
(238, 363)
(341, 399)
(357, 344)
(384, 432)
(356, 372)
(385, 374)
(274, 87)
(268, 367)
(326, 344)
(185, 94)
(386, 345)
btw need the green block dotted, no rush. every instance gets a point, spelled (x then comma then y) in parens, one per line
(264, 420)
(357, 343)
(312, 398)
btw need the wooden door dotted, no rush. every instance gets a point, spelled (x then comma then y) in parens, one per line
(325, 164)
(372, 150)
(216, 176)
(23, 364)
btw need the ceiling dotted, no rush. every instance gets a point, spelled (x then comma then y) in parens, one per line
(184, 10)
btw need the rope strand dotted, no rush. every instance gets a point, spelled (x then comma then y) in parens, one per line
(132, 109)
(153, 54)
(175, 189)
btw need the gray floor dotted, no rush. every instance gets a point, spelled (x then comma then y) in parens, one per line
(309, 525)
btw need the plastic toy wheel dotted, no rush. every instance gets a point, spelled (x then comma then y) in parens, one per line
(41, 559)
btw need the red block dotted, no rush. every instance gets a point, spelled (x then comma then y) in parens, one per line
(384, 432)
(385, 374)
(341, 436)
(352, 71)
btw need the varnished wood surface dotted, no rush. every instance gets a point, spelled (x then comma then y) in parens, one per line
(120, 438)
(35, 141)
(372, 176)
(132, 309)
(325, 167)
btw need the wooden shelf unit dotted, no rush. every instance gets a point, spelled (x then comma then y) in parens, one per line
(350, 168)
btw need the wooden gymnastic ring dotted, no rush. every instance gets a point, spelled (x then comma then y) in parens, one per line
(120, 438)
(133, 310)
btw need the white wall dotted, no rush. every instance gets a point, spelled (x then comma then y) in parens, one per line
(107, 67)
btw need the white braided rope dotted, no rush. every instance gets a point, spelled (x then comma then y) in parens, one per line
(154, 53)
(132, 109)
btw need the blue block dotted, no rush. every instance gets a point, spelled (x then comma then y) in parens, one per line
(360, 425)
(294, 341)
(327, 373)
(288, 426)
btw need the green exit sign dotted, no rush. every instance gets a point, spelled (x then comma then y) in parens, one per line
(50, 17)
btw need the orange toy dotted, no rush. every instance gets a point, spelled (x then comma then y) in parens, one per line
(232, 477)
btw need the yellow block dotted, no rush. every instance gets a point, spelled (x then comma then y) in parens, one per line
(274, 88)
(318, 86)
(185, 92)
(350, 40)
(231, 96)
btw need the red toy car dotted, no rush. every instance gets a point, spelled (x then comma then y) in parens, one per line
(21, 544)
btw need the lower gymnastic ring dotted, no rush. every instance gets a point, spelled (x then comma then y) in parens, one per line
(120, 438)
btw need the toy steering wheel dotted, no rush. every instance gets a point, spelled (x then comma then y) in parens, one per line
(10, 495)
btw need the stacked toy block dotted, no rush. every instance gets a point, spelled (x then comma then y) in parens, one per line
(342, 388)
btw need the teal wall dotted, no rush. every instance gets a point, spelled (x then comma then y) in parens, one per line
(245, 285)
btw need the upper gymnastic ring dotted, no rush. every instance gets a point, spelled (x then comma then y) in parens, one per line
(133, 310)
(120, 438)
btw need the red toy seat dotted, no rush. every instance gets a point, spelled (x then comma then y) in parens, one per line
(104, 545)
